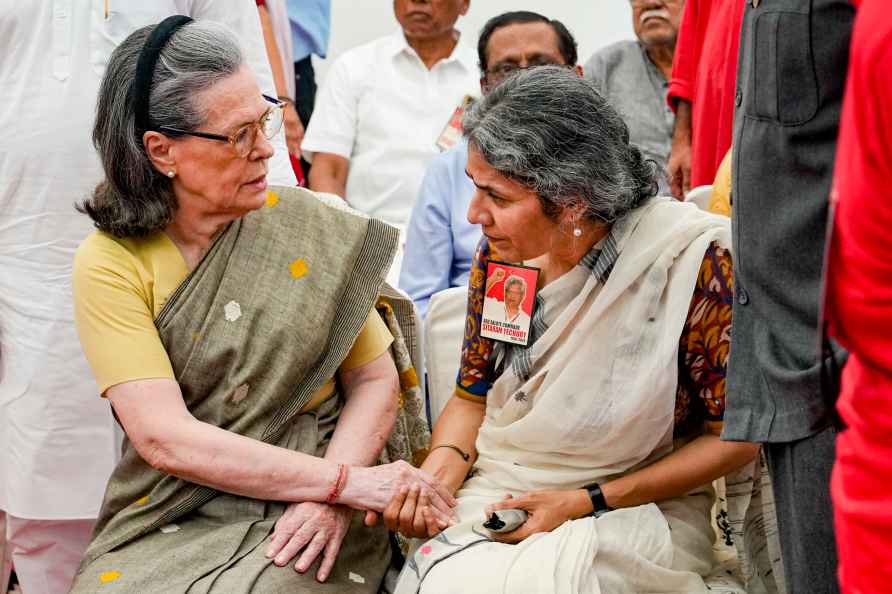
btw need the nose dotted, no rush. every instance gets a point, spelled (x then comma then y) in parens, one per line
(477, 213)
(263, 149)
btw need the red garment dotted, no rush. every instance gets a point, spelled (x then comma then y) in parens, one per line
(859, 304)
(704, 72)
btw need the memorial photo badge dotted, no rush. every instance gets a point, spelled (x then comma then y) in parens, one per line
(508, 302)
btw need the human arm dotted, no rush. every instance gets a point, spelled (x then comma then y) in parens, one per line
(699, 462)
(329, 174)
(680, 95)
(429, 253)
(703, 353)
(679, 164)
(410, 512)
(294, 130)
(370, 393)
(332, 130)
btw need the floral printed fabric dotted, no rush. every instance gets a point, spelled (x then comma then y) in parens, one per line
(702, 354)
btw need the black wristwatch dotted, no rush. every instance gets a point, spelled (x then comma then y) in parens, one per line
(599, 503)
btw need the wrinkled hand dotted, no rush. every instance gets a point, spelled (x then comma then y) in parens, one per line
(410, 514)
(294, 130)
(317, 528)
(374, 488)
(546, 510)
(679, 168)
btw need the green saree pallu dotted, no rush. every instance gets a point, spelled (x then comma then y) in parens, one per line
(259, 326)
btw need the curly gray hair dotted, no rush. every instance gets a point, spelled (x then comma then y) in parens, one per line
(135, 199)
(552, 131)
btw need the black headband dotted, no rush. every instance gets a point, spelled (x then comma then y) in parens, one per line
(145, 66)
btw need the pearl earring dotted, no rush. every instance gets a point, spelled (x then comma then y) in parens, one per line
(170, 174)
(577, 232)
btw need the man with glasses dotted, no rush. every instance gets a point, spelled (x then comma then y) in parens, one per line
(440, 241)
(634, 77)
(58, 440)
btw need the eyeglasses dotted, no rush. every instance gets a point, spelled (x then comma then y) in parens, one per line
(500, 72)
(245, 138)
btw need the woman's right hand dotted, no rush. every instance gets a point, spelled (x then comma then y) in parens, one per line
(374, 488)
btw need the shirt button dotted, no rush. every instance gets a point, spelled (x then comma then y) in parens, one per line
(738, 98)
(742, 297)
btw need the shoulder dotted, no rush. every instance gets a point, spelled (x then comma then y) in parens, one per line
(613, 55)
(358, 59)
(101, 251)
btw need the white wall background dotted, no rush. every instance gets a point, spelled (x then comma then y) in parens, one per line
(594, 23)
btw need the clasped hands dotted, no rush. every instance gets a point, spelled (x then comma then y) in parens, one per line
(313, 529)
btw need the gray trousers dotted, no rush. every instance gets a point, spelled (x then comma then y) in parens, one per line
(800, 475)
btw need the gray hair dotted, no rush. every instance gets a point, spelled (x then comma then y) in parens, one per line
(551, 131)
(135, 199)
(516, 280)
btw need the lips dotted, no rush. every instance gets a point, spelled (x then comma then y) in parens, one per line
(257, 180)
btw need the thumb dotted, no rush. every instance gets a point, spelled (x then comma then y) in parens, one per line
(371, 518)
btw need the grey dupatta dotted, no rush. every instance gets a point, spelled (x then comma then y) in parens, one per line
(258, 327)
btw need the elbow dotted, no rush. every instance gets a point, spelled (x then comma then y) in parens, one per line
(158, 449)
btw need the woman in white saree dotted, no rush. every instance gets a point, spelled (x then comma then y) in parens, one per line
(605, 429)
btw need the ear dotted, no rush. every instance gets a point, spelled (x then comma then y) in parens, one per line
(571, 215)
(484, 87)
(160, 150)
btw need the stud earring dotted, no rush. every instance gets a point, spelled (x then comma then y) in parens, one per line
(170, 174)
(577, 232)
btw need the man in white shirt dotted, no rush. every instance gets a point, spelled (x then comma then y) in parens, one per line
(384, 105)
(58, 442)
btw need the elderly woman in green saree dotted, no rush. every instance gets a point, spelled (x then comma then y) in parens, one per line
(604, 429)
(243, 334)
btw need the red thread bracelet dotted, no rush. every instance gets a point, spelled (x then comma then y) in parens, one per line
(338, 485)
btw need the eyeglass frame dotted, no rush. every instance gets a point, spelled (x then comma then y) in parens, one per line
(231, 139)
(494, 71)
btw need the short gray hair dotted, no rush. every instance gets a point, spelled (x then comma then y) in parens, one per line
(135, 199)
(516, 280)
(551, 131)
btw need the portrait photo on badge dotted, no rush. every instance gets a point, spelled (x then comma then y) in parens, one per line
(508, 302)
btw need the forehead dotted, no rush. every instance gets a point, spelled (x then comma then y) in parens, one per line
(233, 101)
(520, 39)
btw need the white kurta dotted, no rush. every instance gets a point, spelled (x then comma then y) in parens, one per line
(58, 440)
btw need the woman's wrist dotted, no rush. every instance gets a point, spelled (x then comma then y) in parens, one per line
(448, 467)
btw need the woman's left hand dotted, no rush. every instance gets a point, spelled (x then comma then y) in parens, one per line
(317, 528)
(546, 510)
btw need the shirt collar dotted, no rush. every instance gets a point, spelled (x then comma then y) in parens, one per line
(461, 54)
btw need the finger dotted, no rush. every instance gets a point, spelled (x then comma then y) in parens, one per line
(280, 538)
(509, 502)
(433, 525)
(439, 489)
(329, 556)
(294, 545)
(392, 511)
(311, 552)
(371, 518)
(407, 514)
(686, 171)
(419, 519)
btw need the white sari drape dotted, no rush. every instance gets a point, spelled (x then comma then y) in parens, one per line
(599, 401)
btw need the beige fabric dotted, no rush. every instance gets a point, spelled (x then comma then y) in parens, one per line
(572, 423)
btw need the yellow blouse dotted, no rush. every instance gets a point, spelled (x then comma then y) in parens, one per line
(120, 287)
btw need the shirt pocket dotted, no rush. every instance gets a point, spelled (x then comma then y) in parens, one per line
(112, 21)
(785, 86)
